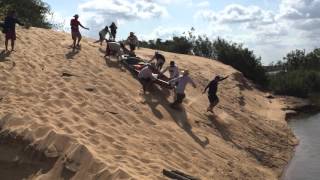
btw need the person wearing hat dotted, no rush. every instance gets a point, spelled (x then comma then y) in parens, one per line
(160, 60)
(9, 28)
(113, 31)
(146, 77)
(182, 82)
(212, 93)
(173, 70)
(132, 41)
(75, 33)
(102, 35)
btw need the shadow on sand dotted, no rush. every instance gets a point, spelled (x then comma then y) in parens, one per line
(73, 52)
(158, 97)
(3, 55)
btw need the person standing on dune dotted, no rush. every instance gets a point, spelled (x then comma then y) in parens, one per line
(212, 93)
(133, 42)
(182, 82)
(75, 32)
(9, 28)
(113, 31)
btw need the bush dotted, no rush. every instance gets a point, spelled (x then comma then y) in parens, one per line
(30, 12)
(298, 83)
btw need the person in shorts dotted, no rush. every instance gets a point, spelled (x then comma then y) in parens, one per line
(75, 32)
(212, 93)
(9, 29)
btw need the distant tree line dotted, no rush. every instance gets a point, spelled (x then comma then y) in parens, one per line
(31, 12)
(300, 76)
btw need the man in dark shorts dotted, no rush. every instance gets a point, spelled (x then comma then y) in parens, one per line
(160, 60)
(10, 29)
(212, 93)
(75, 33)
(113, 31)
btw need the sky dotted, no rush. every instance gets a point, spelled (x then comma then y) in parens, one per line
(271, 28)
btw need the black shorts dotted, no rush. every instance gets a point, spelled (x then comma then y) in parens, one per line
(213, 98)
(180, 98)
(101, 38)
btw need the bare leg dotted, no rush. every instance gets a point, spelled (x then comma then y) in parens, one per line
(6, 44)
(79, 39)
(12, 45)
(74, 43)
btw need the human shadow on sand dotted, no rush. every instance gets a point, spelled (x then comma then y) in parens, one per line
(3, 55)
(158, 97)
(72, 53)
(222, 129)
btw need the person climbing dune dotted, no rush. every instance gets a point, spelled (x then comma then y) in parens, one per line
(212, 93)
(102, 35)
(173, 70)
(75, 32)
(160, 60)
(9, 29)
(146, 77)
(182, 82)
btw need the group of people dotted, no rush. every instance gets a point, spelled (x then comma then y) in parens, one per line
(145, 76)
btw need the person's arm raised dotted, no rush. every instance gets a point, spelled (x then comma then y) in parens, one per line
(83, 26)
(224, 78)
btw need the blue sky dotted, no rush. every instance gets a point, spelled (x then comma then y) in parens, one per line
(271, 28)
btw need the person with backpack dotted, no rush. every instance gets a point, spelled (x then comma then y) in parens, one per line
(173, 70)
(75, 32)
(9, 29)
(181, 82)
(160, 60)
(212, 93)
(113, 31)
(102, 35)
(132, 41)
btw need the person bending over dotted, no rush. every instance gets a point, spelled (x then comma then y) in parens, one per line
(160, 60)
(173, 70)
(182, 82)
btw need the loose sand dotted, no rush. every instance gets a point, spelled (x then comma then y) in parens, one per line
(76, 115)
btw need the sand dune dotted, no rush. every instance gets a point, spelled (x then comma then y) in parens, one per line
(83, 117)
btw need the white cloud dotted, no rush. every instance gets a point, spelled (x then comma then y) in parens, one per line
(124, 9)
(236, 13)
(203, 4)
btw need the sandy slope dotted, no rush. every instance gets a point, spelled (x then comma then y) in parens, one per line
(94, 124)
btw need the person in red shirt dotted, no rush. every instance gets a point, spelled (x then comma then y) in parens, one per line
(75, 33)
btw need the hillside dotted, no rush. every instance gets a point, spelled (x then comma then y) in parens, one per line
(79, 116)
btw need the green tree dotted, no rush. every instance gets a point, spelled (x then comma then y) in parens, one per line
(31, 12)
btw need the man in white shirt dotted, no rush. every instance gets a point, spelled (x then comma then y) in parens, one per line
(146, 77)
(160, 60)
(180, 88)
(173, 70)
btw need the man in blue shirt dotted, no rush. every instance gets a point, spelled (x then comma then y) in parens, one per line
(10, 28)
